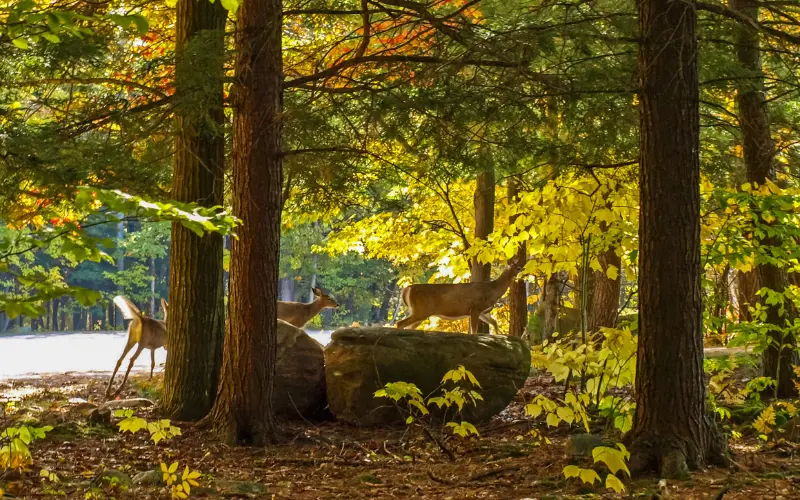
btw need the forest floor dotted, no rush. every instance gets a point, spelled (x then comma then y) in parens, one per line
(330, 460)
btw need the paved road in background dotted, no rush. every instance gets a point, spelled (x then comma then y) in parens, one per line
(26, 354)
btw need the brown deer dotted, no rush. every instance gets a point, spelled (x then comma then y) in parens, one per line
(457, 300)
(299, 313)
(148, 333)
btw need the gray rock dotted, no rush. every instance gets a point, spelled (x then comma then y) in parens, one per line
(149, 478)
(84, 407)
(112, 476)
(127, 403)
(359, 361)
(100, 416)
(581, 445)
(299, 374)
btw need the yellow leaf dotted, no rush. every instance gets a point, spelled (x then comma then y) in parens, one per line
(589, 476)
(612, 272)
(533, 410)
(552, 420)
(173, 468)
(613, 483)
(571, 471)
(566, 414)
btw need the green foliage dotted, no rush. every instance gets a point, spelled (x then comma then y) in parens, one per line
(14, 441)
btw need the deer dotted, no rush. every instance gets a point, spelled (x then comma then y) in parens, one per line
(299, 313)
(453, 301)
(148, 333)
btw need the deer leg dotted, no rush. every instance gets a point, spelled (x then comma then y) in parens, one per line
(153, 361)
(128, 371)
(474, 319)
(125, 352)
(411, 322)
(489, 320)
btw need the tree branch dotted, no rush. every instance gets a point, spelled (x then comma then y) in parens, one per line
(738, 16)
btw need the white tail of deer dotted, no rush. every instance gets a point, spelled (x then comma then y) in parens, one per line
(299, 313)
(458, 300)
(148, 333)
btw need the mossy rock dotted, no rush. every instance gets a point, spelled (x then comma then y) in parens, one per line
(359, 361)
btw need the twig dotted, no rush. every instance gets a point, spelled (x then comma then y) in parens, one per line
(439, 480)
(493, 472)
(439, 443)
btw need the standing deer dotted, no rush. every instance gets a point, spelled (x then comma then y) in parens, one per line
(298, 313)
(148, 333)
(457, 300)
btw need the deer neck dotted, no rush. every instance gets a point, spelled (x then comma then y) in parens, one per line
(315, 307)
(501, 284)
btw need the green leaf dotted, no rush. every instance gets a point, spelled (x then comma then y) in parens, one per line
(141, 23)
(21, 43)
(50, 37)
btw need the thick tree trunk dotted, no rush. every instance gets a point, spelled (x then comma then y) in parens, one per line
(759, 155)
(605, 298)
(484, 225)
(672, 431)
(243, 412)
(517, 292)
(196, 314)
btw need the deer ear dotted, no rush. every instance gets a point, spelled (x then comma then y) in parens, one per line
(317, 292)
(164, 305)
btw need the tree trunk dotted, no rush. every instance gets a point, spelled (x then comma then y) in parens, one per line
(196, 314)
(484, 225)
(605, 298)
(759, 154)
(153, 278)
(517, 292)
(243, 412)
(672, 431)
(383, 314)
(747, 286)
(550, 305)
(287, 289)
(54, 314)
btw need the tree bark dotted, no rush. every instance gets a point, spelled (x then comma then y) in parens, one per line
(759, 153)
(484, 225)
(550, 305)
(243, 412)
(672, 430)
(517, 292)
(196, 315)
(605, 299)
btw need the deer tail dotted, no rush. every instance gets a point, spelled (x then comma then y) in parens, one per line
(128, 308)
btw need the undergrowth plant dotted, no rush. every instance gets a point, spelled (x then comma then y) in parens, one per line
(596, 376)
(457, 391)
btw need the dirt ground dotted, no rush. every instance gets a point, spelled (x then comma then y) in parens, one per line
(331, 460)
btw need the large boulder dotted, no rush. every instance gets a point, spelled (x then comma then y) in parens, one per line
(359, 361)
(299, 375)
